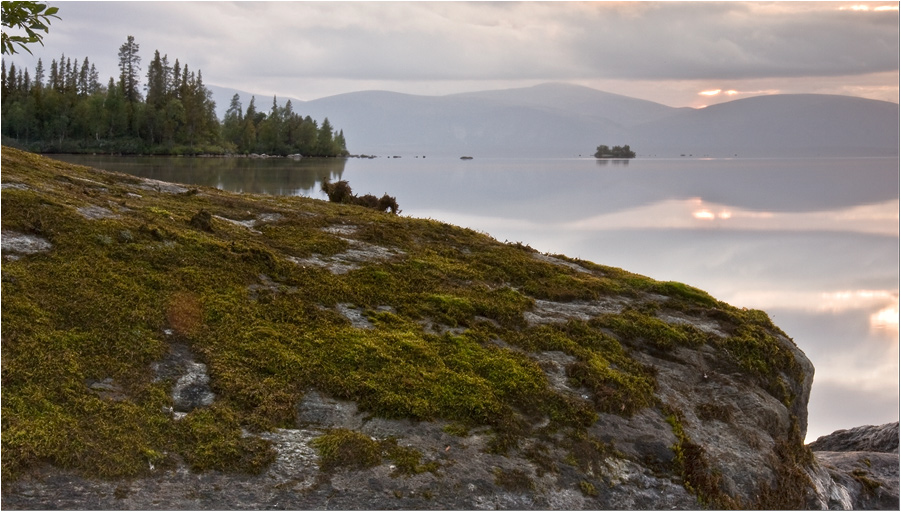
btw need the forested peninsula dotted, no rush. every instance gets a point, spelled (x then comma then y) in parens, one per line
(67, 109)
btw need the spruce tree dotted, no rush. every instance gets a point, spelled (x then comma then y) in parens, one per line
(54, 76)
(129, 67)
(11, 78)
(156, 82)
(233, 123)
(39, 74)
(324, 142)
(83, 78)
(175, 87)
(93, 80)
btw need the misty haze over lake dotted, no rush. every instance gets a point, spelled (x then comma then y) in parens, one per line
(813, 242)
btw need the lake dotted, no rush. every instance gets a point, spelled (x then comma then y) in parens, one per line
(814, 242)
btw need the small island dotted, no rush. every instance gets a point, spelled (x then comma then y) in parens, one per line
(614, 152)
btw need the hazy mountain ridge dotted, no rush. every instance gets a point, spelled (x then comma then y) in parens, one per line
(559, 120)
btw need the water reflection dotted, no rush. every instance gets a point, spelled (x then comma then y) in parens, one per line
(603, 162)
(277, 176)
(881, 218)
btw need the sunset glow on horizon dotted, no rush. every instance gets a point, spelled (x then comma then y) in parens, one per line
(865, 8)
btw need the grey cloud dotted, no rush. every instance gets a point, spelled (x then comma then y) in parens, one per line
(732, 41)
(422, 41)
(477, 41)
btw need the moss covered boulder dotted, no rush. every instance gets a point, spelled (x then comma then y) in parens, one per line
(187, 348)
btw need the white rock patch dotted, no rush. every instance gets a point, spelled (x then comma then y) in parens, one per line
(20, 244)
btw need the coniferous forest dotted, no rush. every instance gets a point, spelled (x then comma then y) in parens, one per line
(65, 108)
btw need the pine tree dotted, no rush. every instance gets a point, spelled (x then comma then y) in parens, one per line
(70, 78)
(233, 123)
(249, 132)
(39, 74)
(340, 143)
(54, 76)
(175, 86)
(116, 107)
(167, 75)
(156, 82)
(324, 141)
(129, 67)
(269, 131)
(93, 80)
(11, 78)
(208, 122)
(83, 78)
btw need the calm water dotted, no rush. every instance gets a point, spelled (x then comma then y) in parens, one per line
(814, 242)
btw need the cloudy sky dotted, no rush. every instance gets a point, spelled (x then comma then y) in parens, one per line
(675, 53)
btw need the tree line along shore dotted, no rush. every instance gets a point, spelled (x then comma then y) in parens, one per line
(67, 109)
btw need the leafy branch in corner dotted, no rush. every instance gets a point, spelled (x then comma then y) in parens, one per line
(32, 17)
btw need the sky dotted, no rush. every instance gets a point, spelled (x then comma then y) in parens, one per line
(681, 54)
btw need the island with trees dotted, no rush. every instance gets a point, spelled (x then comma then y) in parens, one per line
(614, 152)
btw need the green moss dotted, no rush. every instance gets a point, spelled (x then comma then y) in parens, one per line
(342, 448)
(756, 350)
(81, 431)
(633, 325)
(212, 439)
(619, 384)
(868, 484)
(162, 212)
(682, 292)
(456, 429)
(448, 309)
(588, 488)
(691, 463)
(407, 460)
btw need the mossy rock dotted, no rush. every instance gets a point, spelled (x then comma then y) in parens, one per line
(446, 335)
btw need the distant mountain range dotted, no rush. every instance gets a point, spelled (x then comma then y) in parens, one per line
(561, 120)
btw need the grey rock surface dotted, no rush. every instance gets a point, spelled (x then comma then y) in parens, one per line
(867, 438)
(868, 480)
(17, 244)
(858, 468)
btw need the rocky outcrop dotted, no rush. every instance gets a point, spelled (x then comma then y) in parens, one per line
(314, 356)
(858, 468)
(716, 442)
